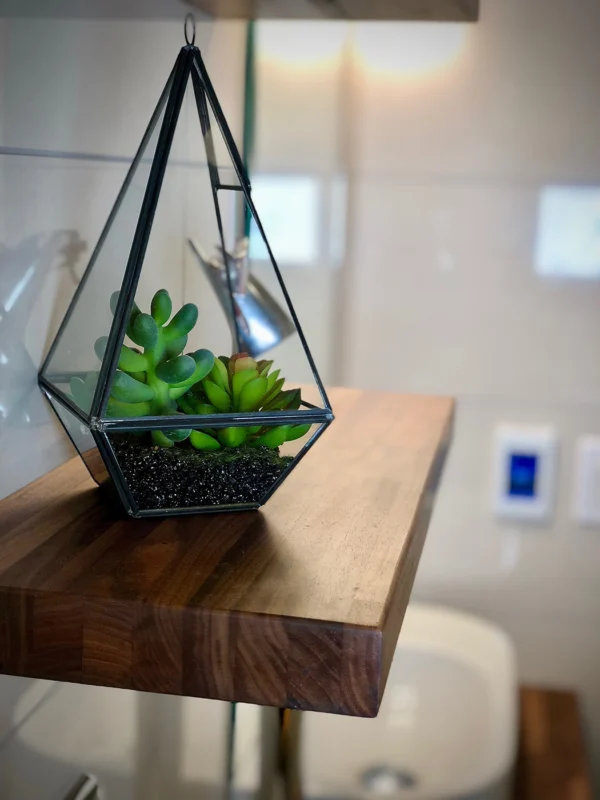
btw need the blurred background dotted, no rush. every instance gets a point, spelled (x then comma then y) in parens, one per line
(444, 238)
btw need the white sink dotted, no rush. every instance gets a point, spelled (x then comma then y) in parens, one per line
(447, 727)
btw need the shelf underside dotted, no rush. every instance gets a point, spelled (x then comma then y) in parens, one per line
(432, 10)
(449, 10)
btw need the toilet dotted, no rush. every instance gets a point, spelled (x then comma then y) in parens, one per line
(447, 727)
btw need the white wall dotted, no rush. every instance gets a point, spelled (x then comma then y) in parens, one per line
(298, 133)
(87, 87)
(438, 291)
(443, 298)
(447, 135)
(87, 91)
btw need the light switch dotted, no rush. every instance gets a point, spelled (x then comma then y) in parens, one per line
(587, 481)
(524, 483)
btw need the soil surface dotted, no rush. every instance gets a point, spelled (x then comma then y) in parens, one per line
(181, 477)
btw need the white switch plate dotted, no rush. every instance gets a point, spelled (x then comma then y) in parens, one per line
(586, 499)
(525, 466)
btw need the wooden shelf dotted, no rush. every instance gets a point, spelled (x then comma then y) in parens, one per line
(430, 10)
(298, 605)
(552, 761)
(439, 10)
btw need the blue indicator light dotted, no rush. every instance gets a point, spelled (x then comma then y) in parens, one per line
(522, 475)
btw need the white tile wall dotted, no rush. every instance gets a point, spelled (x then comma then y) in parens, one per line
(66, 96)
(443, 298)
(298, 130)
(438, 293)
(87, 87)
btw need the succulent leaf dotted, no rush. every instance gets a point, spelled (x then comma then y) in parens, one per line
(273, 391)
(116, 408)
(252, 394)
(297, 432)
(176, 347)
(129, 390)
(186, 403)
(132, 362)
(271, 380)
(264, 367)
(144, 331)
(239, 380)
(160, 439)
(114, 299)
(284, 401)
(241, 363)
(202, 441)
(135, 311)
(161, 307)
(220, 376)
(232, 437)
(100, 347)
(81, 393)
(218, 397)
(232, 361)
(205, 362)
(177, 370)
(274, 437)
(178, 435)
(182, 323)
(205, 408)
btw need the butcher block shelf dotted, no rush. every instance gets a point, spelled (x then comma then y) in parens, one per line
(298, 605)
(439, 10)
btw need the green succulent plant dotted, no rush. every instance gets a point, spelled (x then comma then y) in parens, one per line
(158, 380)
(149, 382)
(241, 384)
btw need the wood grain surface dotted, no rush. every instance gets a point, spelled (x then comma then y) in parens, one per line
(552, 762)
(298, 605)
(449, 10)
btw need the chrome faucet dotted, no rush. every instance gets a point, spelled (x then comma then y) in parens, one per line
(257, 321)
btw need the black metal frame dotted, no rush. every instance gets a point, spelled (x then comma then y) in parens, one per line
(189, 65)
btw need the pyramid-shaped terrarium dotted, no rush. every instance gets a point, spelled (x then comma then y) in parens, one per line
(168, 369)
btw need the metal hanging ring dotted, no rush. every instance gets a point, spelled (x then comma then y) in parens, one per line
(190, 23)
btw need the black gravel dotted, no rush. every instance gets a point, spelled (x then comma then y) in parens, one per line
(181, 477)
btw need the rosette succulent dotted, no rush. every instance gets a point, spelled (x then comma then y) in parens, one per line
(241, 384)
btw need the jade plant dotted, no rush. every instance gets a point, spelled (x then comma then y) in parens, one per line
(156, 379)
(149, 382)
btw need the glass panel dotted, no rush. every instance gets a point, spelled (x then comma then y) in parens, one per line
(293, 448)
(265, 324)
(216, 149)
(83, 441)
(186, 188)
(74, 364)
(185, 314)
(206, 468)
(262, 318)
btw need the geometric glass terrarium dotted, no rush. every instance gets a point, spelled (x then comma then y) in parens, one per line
(168, 369)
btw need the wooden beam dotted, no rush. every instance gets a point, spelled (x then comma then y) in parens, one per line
(430, 10)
